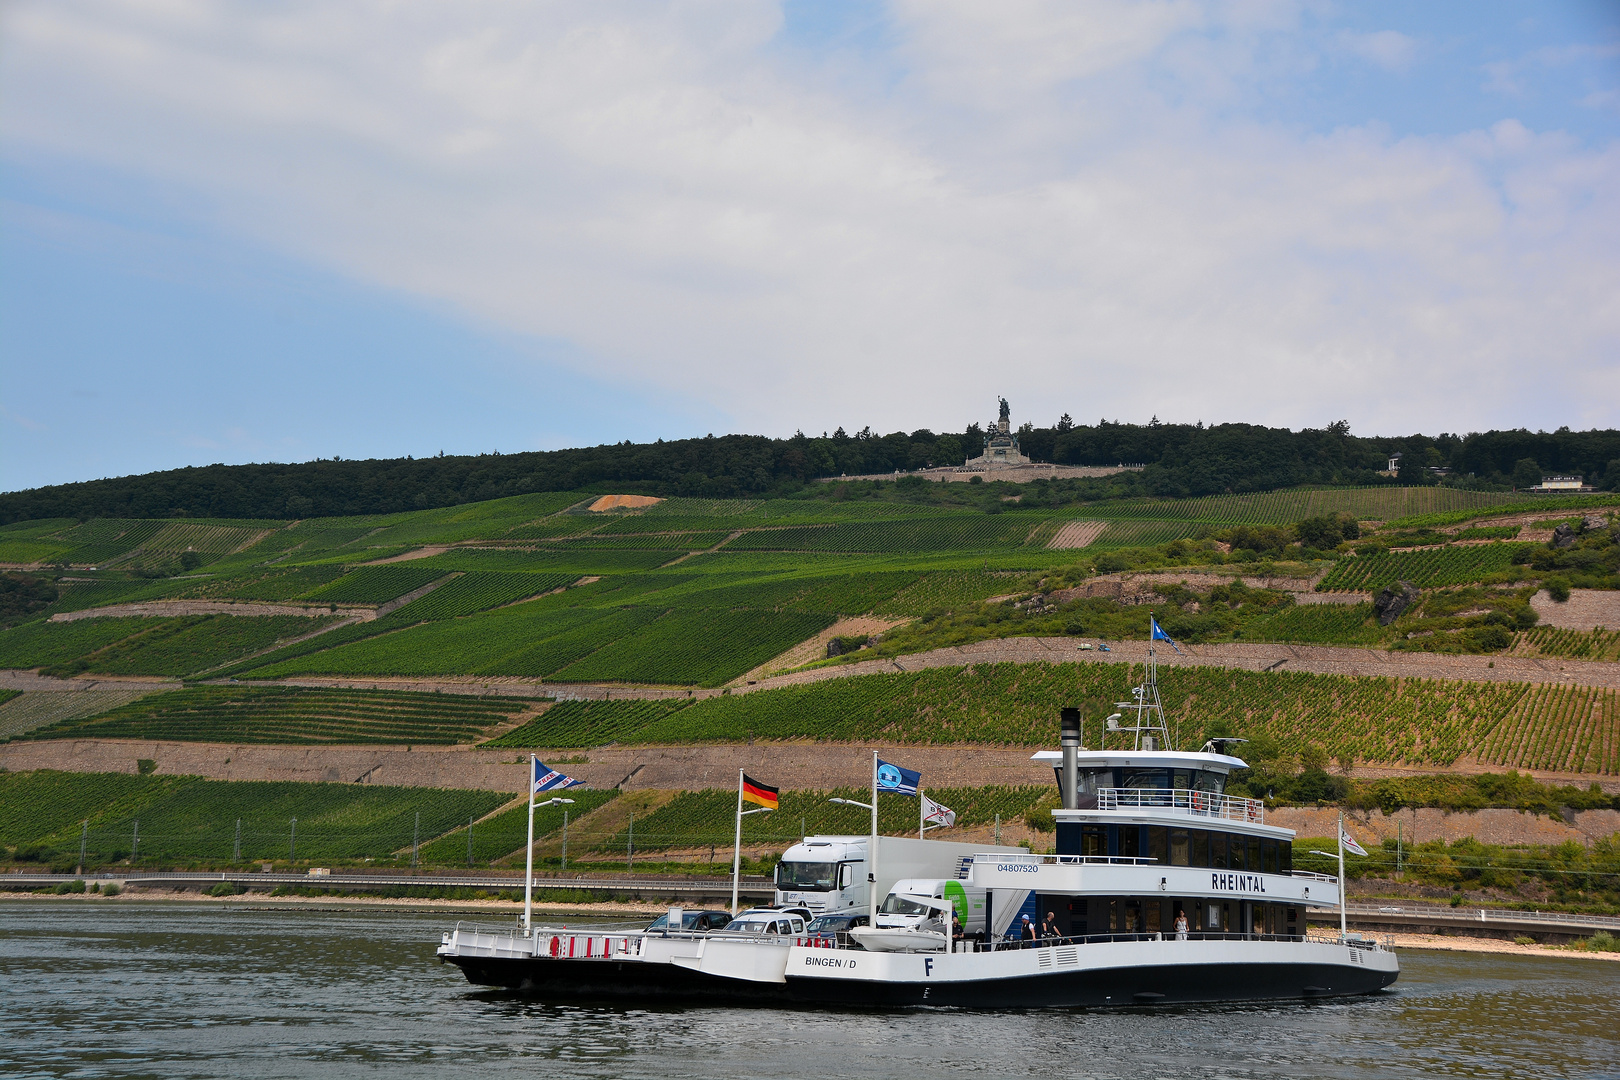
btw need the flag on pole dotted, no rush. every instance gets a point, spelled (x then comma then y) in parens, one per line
(1158, 634)
(760, 794)
(544, 778)
(1350, 844)
(937, 813)
(894, 779)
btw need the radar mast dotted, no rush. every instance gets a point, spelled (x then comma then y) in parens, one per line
(1143, 716)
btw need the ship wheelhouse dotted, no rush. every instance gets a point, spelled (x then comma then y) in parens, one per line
(1148, 836)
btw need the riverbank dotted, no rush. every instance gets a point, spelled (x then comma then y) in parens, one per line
(1492, 945)
(613, 910)
(264, 901)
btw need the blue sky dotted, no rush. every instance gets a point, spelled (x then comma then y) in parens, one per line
(233, 233)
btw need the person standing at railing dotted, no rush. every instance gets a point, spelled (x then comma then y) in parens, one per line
(1049, 928)
(1181, 925)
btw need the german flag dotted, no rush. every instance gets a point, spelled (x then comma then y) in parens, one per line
(758, 793)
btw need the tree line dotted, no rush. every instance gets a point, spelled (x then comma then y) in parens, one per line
(1179, 460)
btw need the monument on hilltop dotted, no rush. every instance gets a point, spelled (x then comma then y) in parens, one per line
(1000, 445)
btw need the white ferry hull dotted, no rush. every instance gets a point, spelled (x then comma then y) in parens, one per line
(622, 967)
(1102, 974)
(697, 969)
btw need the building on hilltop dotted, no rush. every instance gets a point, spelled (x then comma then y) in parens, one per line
(1001, 449)
(1562, 485)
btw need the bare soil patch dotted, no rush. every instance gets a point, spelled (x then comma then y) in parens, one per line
(623, 502)
(1077, 534)
(1586, 609)
(419, 553)
(169, 609)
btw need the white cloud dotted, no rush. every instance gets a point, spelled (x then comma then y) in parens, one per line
(1389, 49)
(1025, 212)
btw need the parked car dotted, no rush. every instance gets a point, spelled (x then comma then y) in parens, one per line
(695, 920)
(834, 928)
(774, 921)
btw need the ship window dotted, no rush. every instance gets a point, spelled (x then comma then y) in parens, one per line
(1285, 851)
(1178, 847)
(1093, 841)
(1217, 850)
(1180, 778)
(1153, 912)
(1212, 918)
(1146, 778)
(1209, 781)
(1133, 917)
(1254, 854)
(1198, 848)
(1268, 855)
(1234, 852)
(1130, 841)
(1157, 843)
(1094, 779)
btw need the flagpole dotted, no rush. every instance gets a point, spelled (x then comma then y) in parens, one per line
(736, 846)
(922, 815)
(528, 865)
(1343, 919)
(872, 852)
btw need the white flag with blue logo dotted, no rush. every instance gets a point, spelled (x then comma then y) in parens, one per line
(1350, 844)
(545, 778)
(897, 780)
(1158, 634)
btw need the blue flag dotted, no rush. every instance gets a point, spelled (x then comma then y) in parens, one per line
(544, 778)
(1159, 634)
(897, 780)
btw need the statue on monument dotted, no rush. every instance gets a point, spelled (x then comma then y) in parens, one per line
(1006, 413)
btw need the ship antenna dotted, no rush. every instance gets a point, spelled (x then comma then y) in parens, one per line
(1147, 725)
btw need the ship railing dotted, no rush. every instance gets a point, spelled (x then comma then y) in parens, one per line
(475, 938)
(1358, 941)
(1065, 860)
(1312, 875)
(1203, 804)
(1372, 942)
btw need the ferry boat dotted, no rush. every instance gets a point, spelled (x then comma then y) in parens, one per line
(1163, 889)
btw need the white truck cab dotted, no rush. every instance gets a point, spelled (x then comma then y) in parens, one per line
(828, 874)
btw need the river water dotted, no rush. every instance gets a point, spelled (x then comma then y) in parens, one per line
(175, 990)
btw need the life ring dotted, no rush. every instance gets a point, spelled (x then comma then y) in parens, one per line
(1198, 801)
(1254, 815)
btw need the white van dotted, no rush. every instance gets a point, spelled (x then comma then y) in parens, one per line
(898, 912)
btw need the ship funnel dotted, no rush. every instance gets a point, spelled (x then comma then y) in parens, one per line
(1070, 726)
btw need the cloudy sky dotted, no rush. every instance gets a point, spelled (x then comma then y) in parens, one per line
(251, 232)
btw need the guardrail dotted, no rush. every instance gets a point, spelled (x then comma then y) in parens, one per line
(1203, 804)
(688, 887)
(1503, 918)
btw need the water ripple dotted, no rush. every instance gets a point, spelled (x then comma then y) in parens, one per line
(184, 991)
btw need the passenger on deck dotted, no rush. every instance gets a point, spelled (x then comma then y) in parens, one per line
(1181, 925)
(1028, 933)
(1049, 928)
